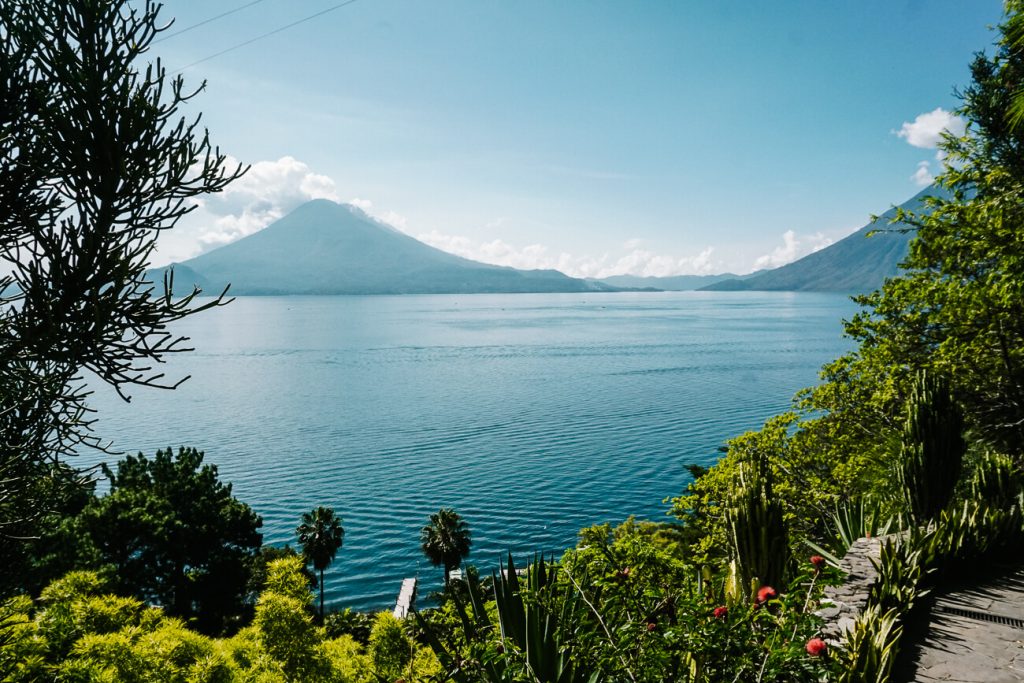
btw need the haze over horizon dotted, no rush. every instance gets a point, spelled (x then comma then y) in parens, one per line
(595, 139)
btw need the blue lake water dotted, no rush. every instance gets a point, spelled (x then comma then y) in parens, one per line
(532, 415)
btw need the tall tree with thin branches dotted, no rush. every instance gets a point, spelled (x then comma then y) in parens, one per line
(96, 160)
(320, 535)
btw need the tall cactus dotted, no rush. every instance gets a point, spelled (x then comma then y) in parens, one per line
(760, 549)
(932, 448)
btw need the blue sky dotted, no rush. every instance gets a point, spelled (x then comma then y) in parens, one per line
(598, 137)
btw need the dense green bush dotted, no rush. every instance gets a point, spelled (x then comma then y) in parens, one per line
(78, 631)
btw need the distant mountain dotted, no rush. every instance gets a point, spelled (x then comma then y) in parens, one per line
(672, 283)
(856, 264)
(327, 248)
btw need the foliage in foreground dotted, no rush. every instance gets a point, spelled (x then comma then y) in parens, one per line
(79, 631)
(621, 608)
(168, 532)
(914, 562)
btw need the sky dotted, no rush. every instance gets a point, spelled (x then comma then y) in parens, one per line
(646, 137)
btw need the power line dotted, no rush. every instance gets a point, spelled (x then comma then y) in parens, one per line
(204, 22)
(266, 35)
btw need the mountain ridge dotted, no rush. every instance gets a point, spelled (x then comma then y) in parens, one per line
(323, 247)
(856, 264)
(671, 283)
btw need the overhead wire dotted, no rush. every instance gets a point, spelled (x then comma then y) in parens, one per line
(205, 22)
(266, 35)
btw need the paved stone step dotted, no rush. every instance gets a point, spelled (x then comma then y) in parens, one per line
(961, 639)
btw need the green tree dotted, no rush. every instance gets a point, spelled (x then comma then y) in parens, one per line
(176, 536)
(958, 307)
(261, 563)
(955, 310)
(30, 564)
(95, 161)
(283, 625)
(446, 540)
(390, 649)
(320, 535)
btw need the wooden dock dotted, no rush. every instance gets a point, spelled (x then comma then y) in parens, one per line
(406, 598)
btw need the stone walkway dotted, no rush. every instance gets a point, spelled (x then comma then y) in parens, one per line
(969, 635)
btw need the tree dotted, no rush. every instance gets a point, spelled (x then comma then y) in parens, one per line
(261, 563)
(958, 308)
(29, 564)
(446, 540)
(95, 161)
(320, 535)
(390, 649)
(176, 537)
(284, 627)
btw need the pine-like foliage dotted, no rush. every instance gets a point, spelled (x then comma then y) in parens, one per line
(97, 159)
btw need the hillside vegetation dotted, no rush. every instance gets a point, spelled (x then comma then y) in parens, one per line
(919, 430)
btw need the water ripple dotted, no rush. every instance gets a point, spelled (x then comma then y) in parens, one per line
(533, 415)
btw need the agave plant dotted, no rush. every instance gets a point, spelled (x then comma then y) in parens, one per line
(533, 639)
(869, 651)
(853, 519)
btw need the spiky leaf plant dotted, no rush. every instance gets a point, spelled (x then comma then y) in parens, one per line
(534, 636)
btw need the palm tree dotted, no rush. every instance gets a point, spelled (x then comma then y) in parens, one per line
(445, 541)
(320, 536)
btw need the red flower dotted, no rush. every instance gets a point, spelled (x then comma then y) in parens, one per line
(765, 594)
(720, 612)
(651, 625)
(816, 647)
(818, 561)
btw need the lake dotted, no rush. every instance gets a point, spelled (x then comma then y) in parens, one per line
(532, 415)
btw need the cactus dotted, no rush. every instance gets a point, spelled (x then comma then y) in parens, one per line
(932, 448)
(760, 549)
(996, 481)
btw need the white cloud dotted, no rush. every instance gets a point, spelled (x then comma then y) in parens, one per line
(635, 261)
(395, 220)
(364, 204)
(923, 177)
(926, 130)
(267, 192)
(793, 247)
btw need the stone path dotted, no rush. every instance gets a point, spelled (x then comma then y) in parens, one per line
(961, 640)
